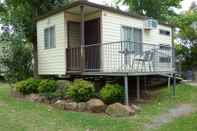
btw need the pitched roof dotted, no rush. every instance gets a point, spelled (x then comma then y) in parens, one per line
(107, 8)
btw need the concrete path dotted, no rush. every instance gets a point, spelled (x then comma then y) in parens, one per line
(192, 83)
(181, 110)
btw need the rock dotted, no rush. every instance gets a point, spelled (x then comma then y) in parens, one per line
(81, 106)
(95, 105)
(60, 104)
(71, 106)
(136, 108)
(119, 110)
(35, 98)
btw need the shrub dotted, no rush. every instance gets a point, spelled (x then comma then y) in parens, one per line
(111, 93)
(47, 86)
(81, 90)
(28, 86)
(60, 92)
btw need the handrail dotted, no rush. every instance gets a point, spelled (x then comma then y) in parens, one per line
(133, 42)
(107, 57)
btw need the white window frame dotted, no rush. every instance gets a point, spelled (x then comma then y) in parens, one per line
(165, 48)
(132, 28)
(50, 44)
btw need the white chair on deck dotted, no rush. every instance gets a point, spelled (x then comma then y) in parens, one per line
(142, 59)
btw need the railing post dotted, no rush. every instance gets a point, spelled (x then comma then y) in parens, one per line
(169, 82)
(82, 39)
(126, 90)
(173, 51)
(174, 85)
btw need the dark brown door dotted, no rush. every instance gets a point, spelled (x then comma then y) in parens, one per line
(92, 37)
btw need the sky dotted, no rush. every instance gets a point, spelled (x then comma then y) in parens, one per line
(185, 4)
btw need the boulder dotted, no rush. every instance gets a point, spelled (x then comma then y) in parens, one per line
(71, 106)
(119, 110)
(60, 104)
(35, 98)
(95, 105)
(136, 108)
(81, 106)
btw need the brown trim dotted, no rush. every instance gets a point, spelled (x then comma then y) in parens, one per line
(65, 53)
(82, 34)
(111, 9)
(92, 13)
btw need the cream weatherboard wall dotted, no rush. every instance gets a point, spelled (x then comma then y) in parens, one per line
(52, 61)
(111, 32)
(112, 23)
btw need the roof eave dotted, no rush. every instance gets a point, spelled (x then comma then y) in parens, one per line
(77, 3)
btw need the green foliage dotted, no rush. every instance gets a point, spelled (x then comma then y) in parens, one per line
(51, 89)
(60, 92)
(81, 90)
(157, 9)
(21, 14)
(187, 39)
(16, 59)
(47, 86)
(28, 86)
(111, 93)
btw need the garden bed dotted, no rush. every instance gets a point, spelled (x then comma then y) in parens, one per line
(79, 95)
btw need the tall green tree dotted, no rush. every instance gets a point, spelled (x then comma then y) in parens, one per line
(187, 37)
(157, 9)
(15, 58)
(20, 15)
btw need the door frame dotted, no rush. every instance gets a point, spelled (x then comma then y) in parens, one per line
(99, 40)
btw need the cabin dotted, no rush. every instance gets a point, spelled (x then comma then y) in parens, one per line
(88, 39)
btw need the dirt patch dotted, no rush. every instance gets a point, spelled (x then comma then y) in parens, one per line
(181, 110)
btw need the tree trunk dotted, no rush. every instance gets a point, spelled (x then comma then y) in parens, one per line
(35, 57)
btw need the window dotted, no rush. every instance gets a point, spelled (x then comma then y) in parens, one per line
(132, 39)
(49, 37)
(164, 47)
(164, 32)
(152, 23)
(165, 59)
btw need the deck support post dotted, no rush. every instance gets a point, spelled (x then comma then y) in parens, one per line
(174, 85)
(126, 90)
(138, 87)
(169, 82)
(82, 42)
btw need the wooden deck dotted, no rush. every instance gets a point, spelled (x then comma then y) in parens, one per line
(121, 59)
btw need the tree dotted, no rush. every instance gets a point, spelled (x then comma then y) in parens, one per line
(16, 57)
(20, 15)
(157, 9)
(187, 38)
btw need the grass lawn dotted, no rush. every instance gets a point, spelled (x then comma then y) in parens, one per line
(20, 115)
